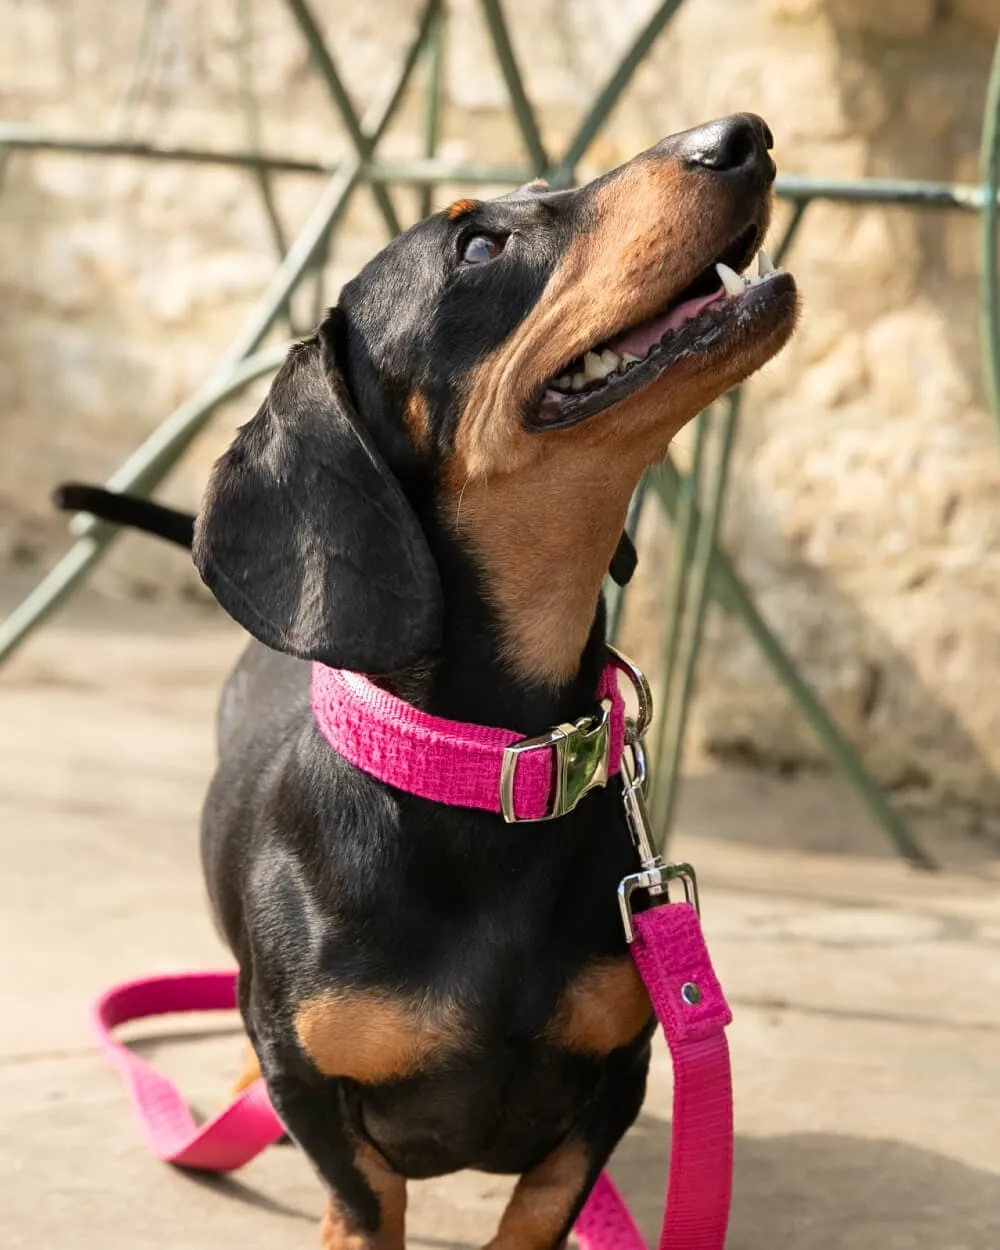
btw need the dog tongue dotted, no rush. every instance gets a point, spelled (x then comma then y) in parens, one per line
(639, 341)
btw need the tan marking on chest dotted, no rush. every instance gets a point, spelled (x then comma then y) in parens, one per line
(539, 1210)
(373, 1037)
(605, 1007)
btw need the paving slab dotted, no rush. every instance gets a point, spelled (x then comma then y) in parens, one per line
(866, 1040)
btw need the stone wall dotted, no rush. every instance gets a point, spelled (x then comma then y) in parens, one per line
(865, 512)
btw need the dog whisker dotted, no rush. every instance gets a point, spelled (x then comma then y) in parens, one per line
(461, 496)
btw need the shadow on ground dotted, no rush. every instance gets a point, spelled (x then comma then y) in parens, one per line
(803, 1191)
(828, 1192)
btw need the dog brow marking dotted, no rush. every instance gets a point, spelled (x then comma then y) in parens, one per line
(543, 1201)
(462, 208)
(605, 1007)
(339, 1232)
(371, 1037)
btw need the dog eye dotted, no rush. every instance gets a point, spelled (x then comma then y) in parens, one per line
(482, 248)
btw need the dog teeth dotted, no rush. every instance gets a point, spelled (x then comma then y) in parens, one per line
(735, 284)
(595, 368)
(598, 366)
(731, 280)
(765, 269)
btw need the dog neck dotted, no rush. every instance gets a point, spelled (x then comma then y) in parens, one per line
(522, 561)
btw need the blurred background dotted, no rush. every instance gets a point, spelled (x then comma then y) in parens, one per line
(864, 505)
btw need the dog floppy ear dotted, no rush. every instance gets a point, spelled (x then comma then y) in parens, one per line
(305, 536)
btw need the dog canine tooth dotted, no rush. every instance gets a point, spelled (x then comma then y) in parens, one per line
(765, 265)
(731, 280)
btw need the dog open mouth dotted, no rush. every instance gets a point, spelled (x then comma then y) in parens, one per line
(700, 320)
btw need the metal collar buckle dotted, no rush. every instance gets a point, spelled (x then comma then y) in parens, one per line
(580, 750)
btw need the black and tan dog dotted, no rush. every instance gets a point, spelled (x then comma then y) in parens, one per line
(431, 494)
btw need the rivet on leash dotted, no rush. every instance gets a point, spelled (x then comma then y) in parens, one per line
(690, 993)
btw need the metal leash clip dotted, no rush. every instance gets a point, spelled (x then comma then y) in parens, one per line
(655, 874)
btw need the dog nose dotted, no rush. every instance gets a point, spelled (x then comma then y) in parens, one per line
(732, 145)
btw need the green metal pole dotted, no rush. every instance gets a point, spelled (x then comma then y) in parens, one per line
(328, 71)
(676, 595)
(149, 33)
(432, 117)
(430, 171)
(15, 135)
(525, 114)
(251, 123)
(611, 93)
(989, 292)
(902, 191)
(666, 776)
(791, 230)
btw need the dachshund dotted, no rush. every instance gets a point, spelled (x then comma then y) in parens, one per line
(431, 494)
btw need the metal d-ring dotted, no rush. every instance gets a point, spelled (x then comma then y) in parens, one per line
(635, 730)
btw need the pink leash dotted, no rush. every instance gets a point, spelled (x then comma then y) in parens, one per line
(672, 958)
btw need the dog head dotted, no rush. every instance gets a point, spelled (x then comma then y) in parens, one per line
(500, 374)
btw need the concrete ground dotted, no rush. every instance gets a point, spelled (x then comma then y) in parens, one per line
(866, 1042)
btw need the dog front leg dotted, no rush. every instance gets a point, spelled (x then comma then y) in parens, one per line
(547, 1200)
(367, 1205)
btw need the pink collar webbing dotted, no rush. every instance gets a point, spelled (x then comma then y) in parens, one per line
(446, 761)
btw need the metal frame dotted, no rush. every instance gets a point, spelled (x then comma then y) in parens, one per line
(693, 501)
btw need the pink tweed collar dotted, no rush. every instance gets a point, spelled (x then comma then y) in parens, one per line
(463, 765)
